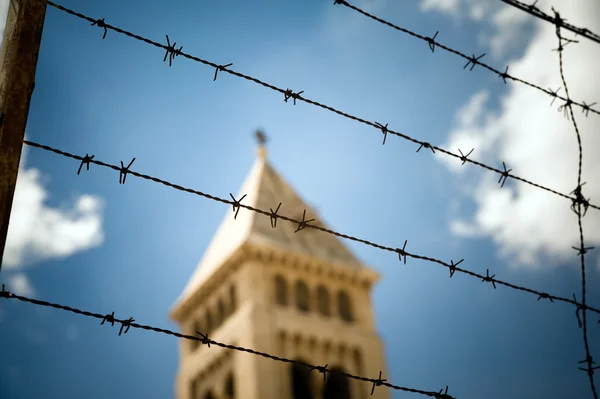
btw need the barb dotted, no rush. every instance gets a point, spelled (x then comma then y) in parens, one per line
(586, 108)
(489, 279)
(554, 95)
(171, 51)
(377, 383)
(580, 200)
(426, 145)
(220, 68)
(384, 130)
(321, 369)
(288, 93)
(101, 24)
(533, 10)
(203, 338)
(576, 207)
(122, 171)
(505, 75)
(443, 394)
(401, 252)
(86, 160)
(303, 223)
(544, 296)
(464, 157)
(453, 265)
(431, 41)
(296, 96)
(236, 205)
(471, 60)
(273, 216)
(505, 175)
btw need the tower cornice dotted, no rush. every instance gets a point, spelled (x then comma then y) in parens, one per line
(269, 256)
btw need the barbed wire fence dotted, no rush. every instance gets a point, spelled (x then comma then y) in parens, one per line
(532, 9)
(579, 204)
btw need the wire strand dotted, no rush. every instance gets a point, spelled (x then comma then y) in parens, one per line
(504, 174)
(402, 253)
(533, 10)
(577, 207)
(472, 60)
(204, 339)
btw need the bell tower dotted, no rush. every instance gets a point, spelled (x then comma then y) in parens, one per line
(262, 284)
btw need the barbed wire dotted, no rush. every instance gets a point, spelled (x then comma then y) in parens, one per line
(472, 60)
(533, 10)
(577, 206)
(289, 94)
(204, 339)
(580, 205)
(303, 224)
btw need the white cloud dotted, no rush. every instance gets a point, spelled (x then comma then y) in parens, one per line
(470, 133)
(3, 13)
(445, 6)
(508, 25)
(539, 144)
(474, 9)
(504, 24)
(38, 232)
(19, 284)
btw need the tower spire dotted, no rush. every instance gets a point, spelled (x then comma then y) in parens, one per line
(261, 139)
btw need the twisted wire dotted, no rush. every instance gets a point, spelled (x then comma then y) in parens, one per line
(296, 96)
(533, 10)
(471, 60)
(205, 340)
(302, 224)
(577, 207)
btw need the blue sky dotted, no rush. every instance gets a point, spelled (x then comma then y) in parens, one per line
(130, 248)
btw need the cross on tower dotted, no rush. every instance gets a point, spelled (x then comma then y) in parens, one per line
(260, 137)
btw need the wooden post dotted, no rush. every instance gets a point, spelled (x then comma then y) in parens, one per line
(18, 62)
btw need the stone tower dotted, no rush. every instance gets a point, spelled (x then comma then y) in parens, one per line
(302, 296)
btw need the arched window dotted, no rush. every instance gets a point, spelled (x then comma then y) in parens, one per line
(301, 382)
(362, 386)
(323, 300)
(194, 388)
(232, 299)
(220, 312)
(344, 306)
(209, 323)
(337, 386)
(281, 295)
(229, 387)
(195, 327)
(302, 296)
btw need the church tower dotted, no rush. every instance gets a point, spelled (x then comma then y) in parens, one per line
(297, 295)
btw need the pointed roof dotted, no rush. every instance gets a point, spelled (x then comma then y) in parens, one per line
(264, 188)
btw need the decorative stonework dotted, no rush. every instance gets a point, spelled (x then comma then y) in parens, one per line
(326, 317)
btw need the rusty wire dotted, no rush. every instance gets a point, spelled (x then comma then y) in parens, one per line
(472, 60)
(303, 223)
(296, 96)
(203, 338)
